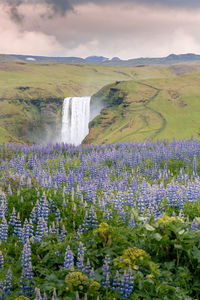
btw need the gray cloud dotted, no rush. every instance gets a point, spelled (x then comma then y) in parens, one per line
(62, 6)
(58, 7)
(128, 28)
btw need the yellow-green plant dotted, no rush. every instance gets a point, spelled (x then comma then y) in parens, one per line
(104, 233)
(135, 258)
(93, 287)
(166, 220)
(77, 281)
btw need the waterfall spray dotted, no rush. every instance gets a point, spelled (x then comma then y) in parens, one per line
(75, 119)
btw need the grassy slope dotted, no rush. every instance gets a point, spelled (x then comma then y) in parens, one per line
(25, 81)
(155, 108)
(159, 103)
(179, 103)
(54, 80)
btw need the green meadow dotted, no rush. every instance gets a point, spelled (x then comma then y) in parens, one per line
(144, 102)
(153, 108)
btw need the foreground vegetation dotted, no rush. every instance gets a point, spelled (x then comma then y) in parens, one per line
(100, 222)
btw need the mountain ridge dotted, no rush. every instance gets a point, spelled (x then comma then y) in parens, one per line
(101, 60)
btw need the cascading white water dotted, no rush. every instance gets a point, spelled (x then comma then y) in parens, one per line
(75, 119)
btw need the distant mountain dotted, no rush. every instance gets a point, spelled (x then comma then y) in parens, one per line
(169, 60)
(98, 59)
(5, 57)
(115, 59)
(70, 60)
(101, 60)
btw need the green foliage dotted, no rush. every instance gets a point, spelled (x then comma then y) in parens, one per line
(163, 253)
(22, 298)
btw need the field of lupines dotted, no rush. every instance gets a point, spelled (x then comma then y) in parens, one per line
(100, 222)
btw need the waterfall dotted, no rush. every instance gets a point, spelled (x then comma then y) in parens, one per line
(75, 119)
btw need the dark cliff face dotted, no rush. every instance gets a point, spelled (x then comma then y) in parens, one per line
(50, 112)
(109, 95)
(34, 120)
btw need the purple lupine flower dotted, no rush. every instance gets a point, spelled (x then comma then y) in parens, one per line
(116, 282)
(54, 295)
(26, 255)
(127, 282)
(13, 218)
(44, 208)
(57, 215)
(2, 211)
(31, 228)
(52, 228)
(9, 190)
(33, 215)
(25, 232)
(1, 260)
(91, 274)
(37, 294)
(69, 258)
(63, 233)
(26, 283)
(195, 225)
(4, 231)
(90, 220)
(52, 206)
(194, 167)
(132, 222)
(106, 272)
(77, 296)
(7, 284)
(57, 228)
(18, 228)
(79, 231)
(80, 257)
(3, 205)
(41, 229)
(88, 267)
(181, 214)
(64, 204)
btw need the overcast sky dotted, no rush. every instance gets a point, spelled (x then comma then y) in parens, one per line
(123, 28)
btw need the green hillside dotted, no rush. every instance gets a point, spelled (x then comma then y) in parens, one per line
(145, 102)
(158, 108)
(31, 94)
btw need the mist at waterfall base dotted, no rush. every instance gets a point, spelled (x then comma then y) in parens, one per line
(96, 107)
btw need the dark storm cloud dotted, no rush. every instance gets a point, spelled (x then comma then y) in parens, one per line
(13, 6)
(57, 6)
